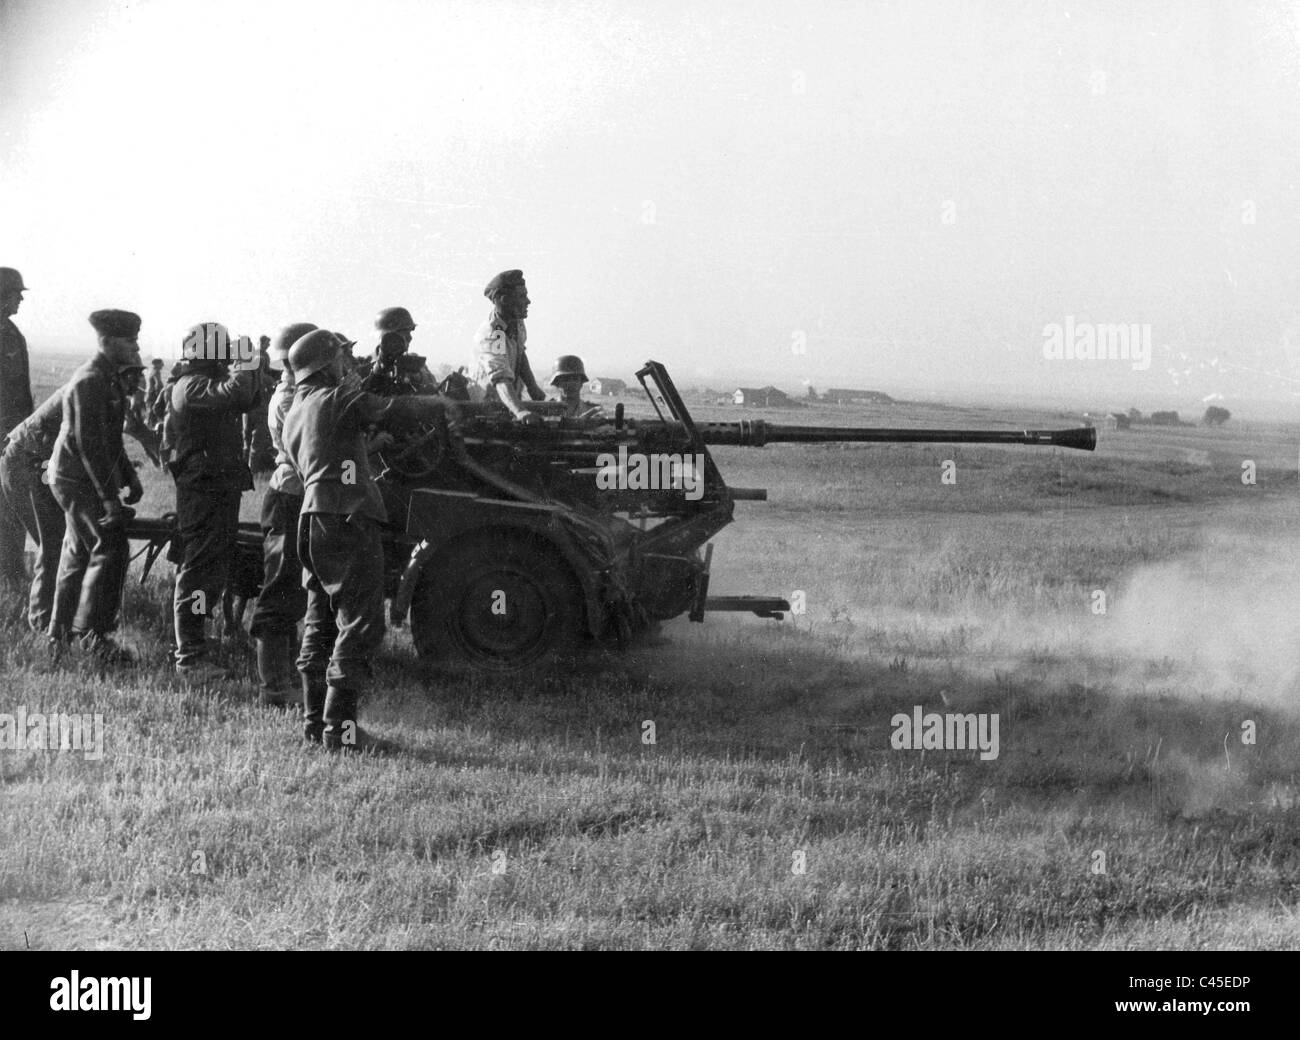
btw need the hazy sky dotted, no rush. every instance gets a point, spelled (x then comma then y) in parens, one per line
(908, 192)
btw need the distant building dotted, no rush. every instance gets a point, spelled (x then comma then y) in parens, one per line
(762, 397)
(856, 397)
(606, 387)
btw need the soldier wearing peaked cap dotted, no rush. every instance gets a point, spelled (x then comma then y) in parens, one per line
(282, 601)
(203, 441)
(15, 405)
(88, 471)
(501, 367)
(324, 437)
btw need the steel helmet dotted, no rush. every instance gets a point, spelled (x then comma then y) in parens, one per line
(312, 352)
(287, 337)
(395, 319)
(568, 365)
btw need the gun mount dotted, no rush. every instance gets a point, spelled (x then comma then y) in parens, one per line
(509, 544)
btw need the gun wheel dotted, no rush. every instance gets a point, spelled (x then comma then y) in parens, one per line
(501, 605)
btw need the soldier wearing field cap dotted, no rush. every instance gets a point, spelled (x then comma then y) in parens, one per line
(501, 367)
(89, 469)
(203, 440)
(324, 438)
(282, 601)
(15, 405)
(25, 477)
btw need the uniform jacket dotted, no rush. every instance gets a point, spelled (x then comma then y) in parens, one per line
(15, 377)
(324, 437)
(202, 429)
(285, 479)
(499, 355)
(89, 446)
(35, 435)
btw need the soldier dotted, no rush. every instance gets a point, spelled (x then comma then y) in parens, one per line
(393, 369)
(202, 435)
(15, 405)
(282, 601)
(153, 386)
(569, 378)
(25, 478)
(502, 370)
(89, 469)
(338, 533)
(257, 435)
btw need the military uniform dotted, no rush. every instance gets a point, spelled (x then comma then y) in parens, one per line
(87, 472)
(205, 447)
(15, 406)
(324, 437)
(282, 601)
(258, 447)
(23, 476)
(499, 356)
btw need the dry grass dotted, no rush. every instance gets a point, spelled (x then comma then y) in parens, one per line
(771, 739)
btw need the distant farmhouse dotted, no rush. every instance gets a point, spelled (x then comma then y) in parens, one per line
(856, 397)
(763, 397)
(607, 387)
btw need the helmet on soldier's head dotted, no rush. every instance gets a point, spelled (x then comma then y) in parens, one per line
(395, 319)
(568, 365)
(11, 280)
(287, 337)
(314, 351)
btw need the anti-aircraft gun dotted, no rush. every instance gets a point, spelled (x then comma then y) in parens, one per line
(524, 539)
(509, 544)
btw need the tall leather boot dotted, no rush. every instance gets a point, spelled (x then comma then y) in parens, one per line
(341, 730)
(270, 669)
(313, 709)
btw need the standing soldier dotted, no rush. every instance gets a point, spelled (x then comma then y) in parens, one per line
(338, 534)
(89, 469)
(393, 369)
(282, 601)
(153, 386)
(15, 405)
(257, 436)
(502, 370)
(202, 432)
(25, 478)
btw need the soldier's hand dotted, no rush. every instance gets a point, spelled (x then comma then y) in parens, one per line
(527, 418)
(379, 441)
(114, 514)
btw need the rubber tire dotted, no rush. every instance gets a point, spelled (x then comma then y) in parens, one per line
(454, 635)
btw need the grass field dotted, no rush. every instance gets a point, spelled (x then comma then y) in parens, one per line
(529, 813)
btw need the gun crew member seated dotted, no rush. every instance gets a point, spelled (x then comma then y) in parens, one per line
(203, 434)
(393, 370)
(88, 471)
(324, 438)
(569, 378)
(501, 368)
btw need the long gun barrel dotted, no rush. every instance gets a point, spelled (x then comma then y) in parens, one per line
(754, 433)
